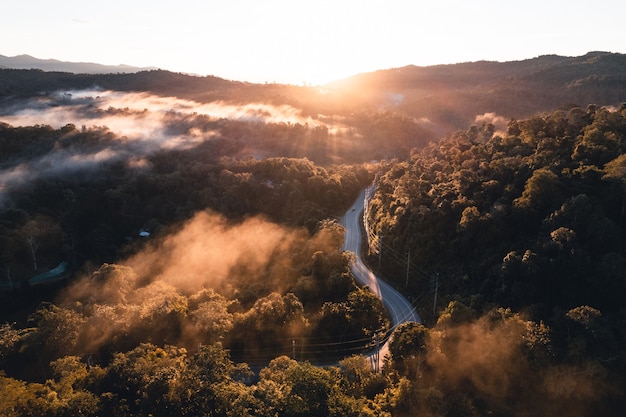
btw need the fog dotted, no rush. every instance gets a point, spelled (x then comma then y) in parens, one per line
(133, 126)
(208, 252)
(499, 122)
(503, 361)
(138, 116)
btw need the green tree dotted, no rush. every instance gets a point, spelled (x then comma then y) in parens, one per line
(408, 340)
(41, 234)
(358, 378)
(615, 170)
(366, 311)
(542, 191)
(58, 331)
(408, 347)
(144, 381)
(302, 389)
(22, 399)
(72, 399)
(210, 317)
(208, 385)
(456, 313)
(9, 338)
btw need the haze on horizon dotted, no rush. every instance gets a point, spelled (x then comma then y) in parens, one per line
(306, 42)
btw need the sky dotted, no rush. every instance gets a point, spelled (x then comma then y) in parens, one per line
(302, 41)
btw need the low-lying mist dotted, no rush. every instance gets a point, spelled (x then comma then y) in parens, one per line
(208, 250)
(136, 115)
(165, 275)
(504, 364)
(131, 127)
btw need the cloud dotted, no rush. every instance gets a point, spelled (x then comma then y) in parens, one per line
(138, 115)
(136, 125)
(58, 162)
(167, 273)
(208, 250)
(498, 360)
(499, 122)
(487, 355)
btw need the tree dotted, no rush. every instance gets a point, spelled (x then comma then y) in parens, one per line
(110, 284)
(595, 146)
(22, 399)
(9, 337)
(310, 391)
(72, 398)
(144, 380)
(33, 243)
(366, 311)
(615, 170)
(456, 313)
(359, 379)
(210, 317)
(41, 232)
(408, 346)
(209, 386)
(58, 331)
(300, 388)
(541, 192)
(409, 339)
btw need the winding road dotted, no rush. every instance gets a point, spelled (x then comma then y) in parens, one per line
(399, 308)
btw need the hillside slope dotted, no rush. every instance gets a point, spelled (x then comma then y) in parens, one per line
(442, 98)
(452, 96)
(30, 62)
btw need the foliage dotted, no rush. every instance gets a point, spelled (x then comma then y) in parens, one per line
(521, 230)
(532, 216)
(443, 97)
(70, 213)
(530, 219)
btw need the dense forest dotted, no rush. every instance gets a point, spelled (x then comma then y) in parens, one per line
(533, 216)
(187, 249)
(161, 257)
(530, 219)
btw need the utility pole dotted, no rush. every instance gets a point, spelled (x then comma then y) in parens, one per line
(293, 349)
(377, 356)
(408, 263)
(436, 290)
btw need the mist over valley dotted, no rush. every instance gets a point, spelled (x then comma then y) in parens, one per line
(170, 244)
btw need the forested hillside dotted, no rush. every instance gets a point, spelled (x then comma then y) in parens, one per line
(452, 97)
(530, 219)
(533, 216)
(174, 257)
(29, 62)
(440, 99)
(169, 245)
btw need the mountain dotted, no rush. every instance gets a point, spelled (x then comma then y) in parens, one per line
(29, 62)
(441, 98)
(452, 96)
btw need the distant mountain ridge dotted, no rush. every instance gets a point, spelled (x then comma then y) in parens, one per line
(489, 70)
(451, 96)
(30, 62)
(441, 98)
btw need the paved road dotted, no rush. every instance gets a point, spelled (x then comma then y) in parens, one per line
(399, 308)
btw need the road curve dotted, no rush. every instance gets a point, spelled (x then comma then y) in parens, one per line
(399, 308)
